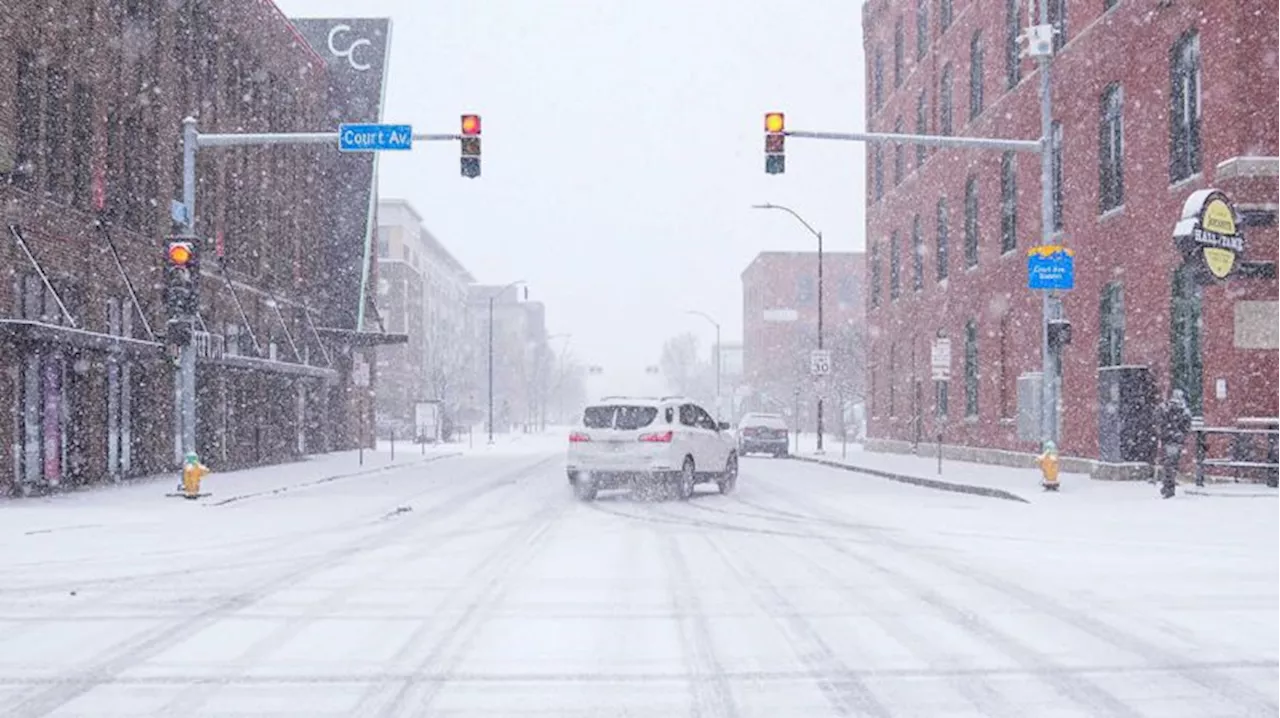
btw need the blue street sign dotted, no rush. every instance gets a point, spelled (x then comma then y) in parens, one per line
(374, 138)
(1051, 268)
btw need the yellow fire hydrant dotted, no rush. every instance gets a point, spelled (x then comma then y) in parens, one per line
(1049, 466)
(192, 472)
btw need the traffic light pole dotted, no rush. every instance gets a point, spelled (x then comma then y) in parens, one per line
(1051, 304)
(192, 141)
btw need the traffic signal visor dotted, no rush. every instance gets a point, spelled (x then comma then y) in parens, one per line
(775, 122)
(471, 125)
(180, 253)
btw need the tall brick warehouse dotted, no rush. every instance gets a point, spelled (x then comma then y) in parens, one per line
(92, 94)
(1152, 102)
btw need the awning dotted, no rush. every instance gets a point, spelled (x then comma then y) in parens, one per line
(351, 337)
(18, 330)
(266, 365)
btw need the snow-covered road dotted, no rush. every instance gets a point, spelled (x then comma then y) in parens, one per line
(476, 585)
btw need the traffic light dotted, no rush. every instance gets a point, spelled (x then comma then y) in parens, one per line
(182, 277)
(471, 146)
(775, 139)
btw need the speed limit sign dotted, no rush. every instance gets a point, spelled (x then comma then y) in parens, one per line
(820, 362)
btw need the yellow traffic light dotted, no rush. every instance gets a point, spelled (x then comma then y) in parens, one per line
(180, 253)
(774, 122)
(471, 124)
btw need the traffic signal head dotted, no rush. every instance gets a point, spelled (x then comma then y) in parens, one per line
(182, 276)
(775, 143)
(180, 253)
(470, 146)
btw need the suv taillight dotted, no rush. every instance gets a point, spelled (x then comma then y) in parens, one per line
(578, 437)
(663, 437)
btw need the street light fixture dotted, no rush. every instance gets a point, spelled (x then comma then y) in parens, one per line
(491, 298)
(818, 235)
(719, 350)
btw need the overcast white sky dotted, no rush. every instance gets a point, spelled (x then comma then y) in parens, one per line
(623, 147)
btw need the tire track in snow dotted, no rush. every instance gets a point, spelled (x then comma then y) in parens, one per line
(109, 664)
(844, 689)
(473, 604)
(711, 693)
(1086, 692)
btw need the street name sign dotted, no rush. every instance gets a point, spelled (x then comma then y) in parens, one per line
(374, 138)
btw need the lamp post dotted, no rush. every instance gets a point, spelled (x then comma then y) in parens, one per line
(491, 298)
(818, 235)
(716, 324)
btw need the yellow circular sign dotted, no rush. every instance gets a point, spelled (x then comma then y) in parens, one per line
(1218, 218)
(1219, 260)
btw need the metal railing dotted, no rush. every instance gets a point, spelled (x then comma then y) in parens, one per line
(1246, 459)
(209, 346)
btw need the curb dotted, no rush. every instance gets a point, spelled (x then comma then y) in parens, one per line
(936, 484)
(327, 479)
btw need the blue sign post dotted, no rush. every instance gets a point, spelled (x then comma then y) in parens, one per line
(1051, 268)
(374, 138)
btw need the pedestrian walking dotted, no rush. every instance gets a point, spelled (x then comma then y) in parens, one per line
(1174, 425)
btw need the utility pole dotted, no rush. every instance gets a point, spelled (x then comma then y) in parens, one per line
(818, 235)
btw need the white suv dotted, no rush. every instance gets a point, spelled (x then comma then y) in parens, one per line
(624, 441)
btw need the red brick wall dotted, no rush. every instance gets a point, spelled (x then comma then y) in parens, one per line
(1130, 45)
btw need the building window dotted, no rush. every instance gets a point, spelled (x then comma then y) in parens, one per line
(899, 155)
(804, 289)
(975, 76)
(944, 237)
(1184, 109)
(1186, 314)
(55, 133)
(81, 143)
(944, 101)
(917, 255)
(899, 52)
(1058, 18)
(847, 291)
(28, 102)
(875, 275)
(1111, 325)
(944, 14)
(971, 368)
(877, 171)
(893, 378)
(1006, 406)
(1008, 203)
(1055, 149)
(895, 266)
(922, 28)
(971, 222)
(877, 81)
(1108, 4)
(1111, 149)
(384, 248)
(942, 389)
(1012, 50)
(922, 127)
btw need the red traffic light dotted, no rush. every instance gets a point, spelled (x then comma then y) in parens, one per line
(180, 253)
(471, 124)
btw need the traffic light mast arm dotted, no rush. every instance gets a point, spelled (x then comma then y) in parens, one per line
(296, 138)
(972, 143)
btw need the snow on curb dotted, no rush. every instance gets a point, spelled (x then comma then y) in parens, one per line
(327, 479)
(937, 484)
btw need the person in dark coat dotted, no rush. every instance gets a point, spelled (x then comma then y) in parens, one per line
(1175, 424)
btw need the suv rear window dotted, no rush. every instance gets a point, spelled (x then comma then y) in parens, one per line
(616, 416)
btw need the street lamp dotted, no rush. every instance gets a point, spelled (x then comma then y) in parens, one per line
(818, 235)
(491, 298)
(716, 324)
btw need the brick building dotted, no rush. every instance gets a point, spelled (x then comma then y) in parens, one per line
(1152, 101)
(779, 329)
(94, 92)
